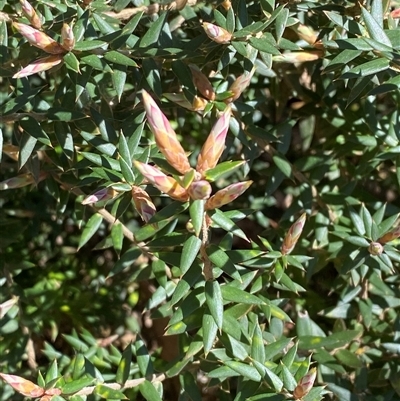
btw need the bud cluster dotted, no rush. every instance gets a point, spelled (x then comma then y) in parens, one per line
(197, 187)
(39, 39)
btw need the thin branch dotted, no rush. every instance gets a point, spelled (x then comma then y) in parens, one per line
(108, 217)
(128, 384)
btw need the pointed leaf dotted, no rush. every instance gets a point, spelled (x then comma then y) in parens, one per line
(237, 295)
(190, 251)
(124, 366)
(374, 28)
(215, 302)
(90, 229)
(210, 330)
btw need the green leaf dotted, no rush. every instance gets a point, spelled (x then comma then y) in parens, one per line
(27, 146)
(358, 241)
(220, 259)
(187, 281)
(348, 358)
(374, 27)
(90, 45)
(117, 237)
(357, 222)
(222, 220)
(149, 230)
(96, 62)
(126, 260)
(77, 385)
(223, 170)
(108, 393)
(257, 345)
(173, 209)
(196, 211)
(124, 366)
(52, 372)
(368, 68)
(143, 358)
(119, 58)
(153, 34)
(90, 229)
(269, 376)
(282, 164)
(190, 251)
(214, 301)
(262, 44)
(290, 356)
(72, 62)
(233, 294)
(247, 371)
(210, 330)
(277, 347)
(289, 381)
(119, 79)
(334, 341)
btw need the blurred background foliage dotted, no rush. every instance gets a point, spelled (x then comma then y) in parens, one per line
(87, 291)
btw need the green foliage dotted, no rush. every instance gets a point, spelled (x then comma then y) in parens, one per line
(126, 274)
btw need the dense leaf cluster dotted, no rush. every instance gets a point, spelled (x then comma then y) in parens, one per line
(239, 301)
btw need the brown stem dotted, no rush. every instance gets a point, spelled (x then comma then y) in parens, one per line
(128, 384)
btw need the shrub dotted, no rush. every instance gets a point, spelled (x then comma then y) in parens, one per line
(199, 200)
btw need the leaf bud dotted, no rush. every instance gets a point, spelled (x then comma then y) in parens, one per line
(240, 84)
(214, 144)
(227, 195)
(143, 203)
(165, 184)
(375, 248)
(305, 384)
(165, 136)
(67, 37)
(200, 190)
(202, 83)
(293, 235)
(102, 194)
(39, 39)
(40, 65)
(31, 14)
(216, 33)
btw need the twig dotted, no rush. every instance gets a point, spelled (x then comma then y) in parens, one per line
(128, 384)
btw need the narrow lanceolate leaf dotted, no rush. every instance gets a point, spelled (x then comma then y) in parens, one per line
(210, 330)
(149, 392)
(257, 345)
(165, 136)
(215, 302)
(143, 358)
(374, 28)
(108, 393)
(190, 251)
(124, 366)
(247, 371)
(90, 229)
(40, 65)
(237, 295)
(269, 376)
(196, 211)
